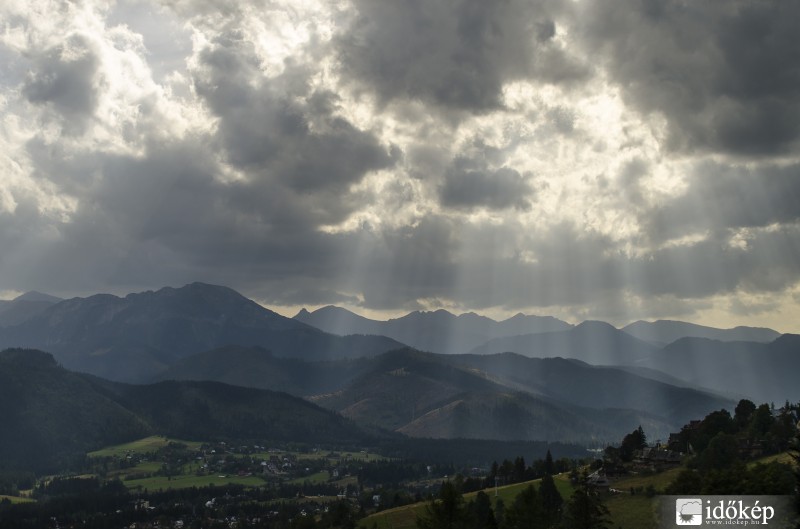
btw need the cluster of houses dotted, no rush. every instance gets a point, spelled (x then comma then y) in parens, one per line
(655, 458)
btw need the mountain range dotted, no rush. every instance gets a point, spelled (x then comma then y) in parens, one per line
(437, 331)
(135, 337)
(663, 332)
(753, 362)
(737, 362)
(505, 396)
(594, 342)
(528, 377)
(764, 372)
(443, 332)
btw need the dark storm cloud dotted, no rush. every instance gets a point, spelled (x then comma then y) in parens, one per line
(480, 266)
(283, 134)
(725, 75)
(65, 78)
(306, 295)
(166, 219)
(767, 264)
(577, 268)
(170, 215)
(470, 185)
(722, 197)
(455, 54)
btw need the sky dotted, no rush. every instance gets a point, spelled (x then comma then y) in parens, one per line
(622, 160)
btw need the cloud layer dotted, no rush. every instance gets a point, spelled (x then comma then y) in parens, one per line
(617, 160)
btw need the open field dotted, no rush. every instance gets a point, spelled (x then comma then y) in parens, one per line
(141, 446)
(319, 477)
(784, 457)
(637, 511)
(357, 456)
(15, 499)
(632, 512)
(147, 467)
(186, 481)
(658, 480)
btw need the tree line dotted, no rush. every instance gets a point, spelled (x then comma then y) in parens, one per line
(537, 506)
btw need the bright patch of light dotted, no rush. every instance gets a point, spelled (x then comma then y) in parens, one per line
(687, 240)
(7, 295)
(741, 239)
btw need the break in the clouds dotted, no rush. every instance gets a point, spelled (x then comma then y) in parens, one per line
(617, 160)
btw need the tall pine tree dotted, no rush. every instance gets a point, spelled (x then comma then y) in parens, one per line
(585, 509)
(525, 512)
(446, 512)
(551, 501)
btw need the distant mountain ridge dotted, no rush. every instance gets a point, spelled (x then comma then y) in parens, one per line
(764, 372)
(404, 390)
(208, 332)
(727, 364)
(760, 371)
(580, 384)
(440, 331)
(594, 342)
(437, 331)
(511, 397)
(135, 337)
(663, 332)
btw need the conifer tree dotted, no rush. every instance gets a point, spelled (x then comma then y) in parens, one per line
(525, 512)
(585, 509)
(446, 512)
(551, 501)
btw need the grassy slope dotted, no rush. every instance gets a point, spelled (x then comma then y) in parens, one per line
(627, 511)
(141, 446)
(186, 481)
(16, 499)
(319, 477)
(639, 511)
(406, 517)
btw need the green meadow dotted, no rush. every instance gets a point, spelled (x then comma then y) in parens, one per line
(15, 499)
(627, 511)
(187, 481)
(141, 446)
